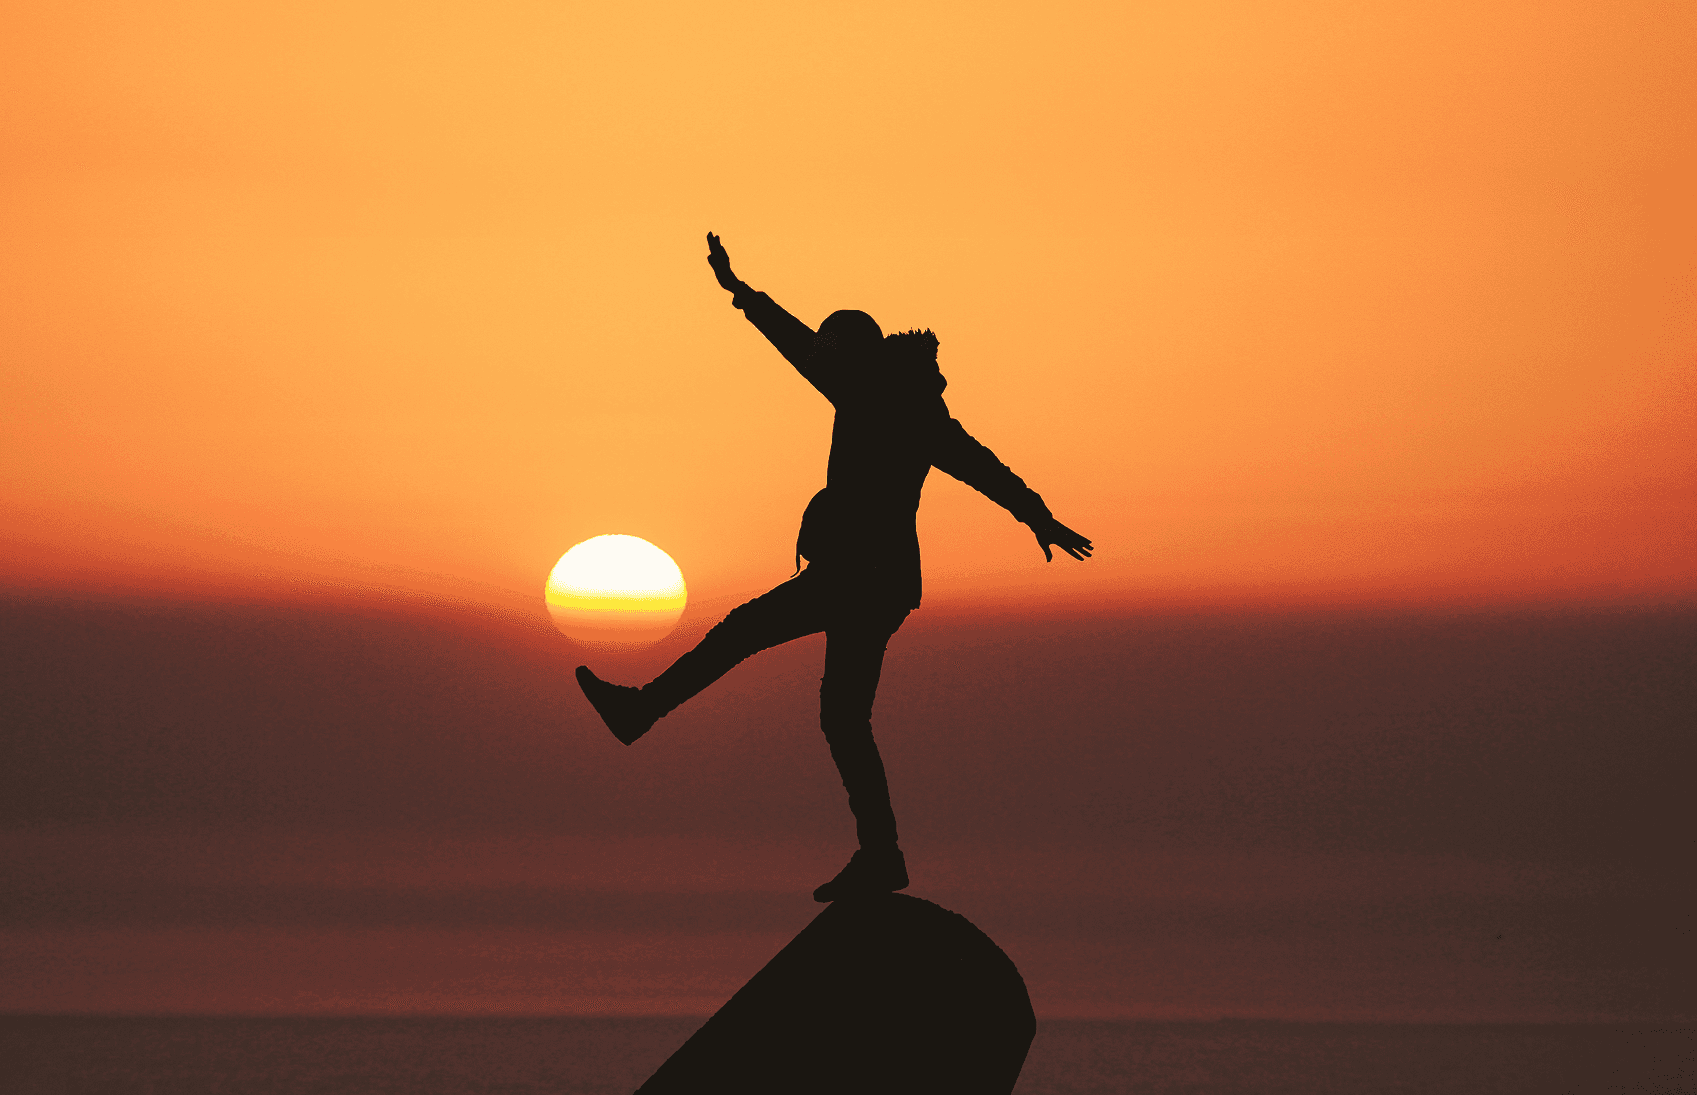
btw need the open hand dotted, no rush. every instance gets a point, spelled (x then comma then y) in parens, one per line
(1050, 531)
(721, 264)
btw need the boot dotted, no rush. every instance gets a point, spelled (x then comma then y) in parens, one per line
(625, 710)
(869, 871)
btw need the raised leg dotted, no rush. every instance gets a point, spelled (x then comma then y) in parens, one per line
(771, 619)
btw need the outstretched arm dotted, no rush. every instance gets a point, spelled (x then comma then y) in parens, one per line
(792, 337)
(961, 455)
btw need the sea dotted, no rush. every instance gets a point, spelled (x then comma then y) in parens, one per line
(62, 1055)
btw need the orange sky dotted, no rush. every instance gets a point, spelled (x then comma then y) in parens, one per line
(1333, 302)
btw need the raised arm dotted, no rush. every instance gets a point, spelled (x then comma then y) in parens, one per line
(961, 455)
(793, 338)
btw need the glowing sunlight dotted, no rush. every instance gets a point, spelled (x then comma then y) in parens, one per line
(616, 590)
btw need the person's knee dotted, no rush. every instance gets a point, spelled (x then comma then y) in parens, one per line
(843, 698)
(739, 621)
(846, 724)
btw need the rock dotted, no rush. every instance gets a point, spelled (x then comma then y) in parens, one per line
(887, 993)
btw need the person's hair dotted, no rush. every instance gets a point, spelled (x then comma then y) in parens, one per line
(851, 329)
(911, 357)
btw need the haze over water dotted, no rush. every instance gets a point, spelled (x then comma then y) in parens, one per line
(444, 1056)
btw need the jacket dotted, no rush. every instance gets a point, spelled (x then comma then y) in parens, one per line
(891, 428)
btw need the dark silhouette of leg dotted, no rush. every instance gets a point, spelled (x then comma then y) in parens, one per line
(857, 634)
(771, 619)
(621, 707)
(788, 612)
(854, 659)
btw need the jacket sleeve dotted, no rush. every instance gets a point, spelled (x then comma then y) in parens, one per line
(792, 337)
(959, 454)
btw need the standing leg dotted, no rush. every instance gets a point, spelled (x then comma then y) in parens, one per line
(854, 660)
(787, 612)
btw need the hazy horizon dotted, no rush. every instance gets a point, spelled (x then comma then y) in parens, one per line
(1310, 815)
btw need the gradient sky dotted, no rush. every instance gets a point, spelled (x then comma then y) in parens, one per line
(1308, 301)
(1360, 339)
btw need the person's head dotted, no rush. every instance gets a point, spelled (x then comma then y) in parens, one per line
(850, 334)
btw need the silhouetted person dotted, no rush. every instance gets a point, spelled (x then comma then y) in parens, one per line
(862, 550)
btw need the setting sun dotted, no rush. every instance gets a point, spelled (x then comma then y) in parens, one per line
(616, 590)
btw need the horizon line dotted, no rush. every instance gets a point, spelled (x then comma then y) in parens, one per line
(1678, 1022)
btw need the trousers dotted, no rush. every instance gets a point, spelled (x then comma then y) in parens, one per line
(857, 631)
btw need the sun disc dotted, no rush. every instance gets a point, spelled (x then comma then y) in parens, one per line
(615, 591)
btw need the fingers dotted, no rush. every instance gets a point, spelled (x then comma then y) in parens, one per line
(1077, 547)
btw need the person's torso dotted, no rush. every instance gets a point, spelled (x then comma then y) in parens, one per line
(862, 524)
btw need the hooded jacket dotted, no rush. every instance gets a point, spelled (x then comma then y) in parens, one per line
(892, 427)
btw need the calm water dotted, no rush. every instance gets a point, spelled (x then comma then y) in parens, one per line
(73, 1056)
